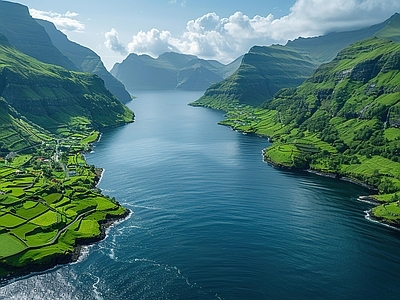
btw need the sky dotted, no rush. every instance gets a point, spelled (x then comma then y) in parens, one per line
(211, 29)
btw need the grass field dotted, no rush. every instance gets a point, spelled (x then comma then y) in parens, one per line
(14, 245)
(38, 199)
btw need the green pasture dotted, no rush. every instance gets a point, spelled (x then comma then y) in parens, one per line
(53, 198)
(380, 164)
(93, 137)
(282, 154)
(40, 238)
(32, 211)
(24, 229)
(10, 245)
(88, 228)
(9, 200)
(64, 201)
(20, 160)
(46, 219)
(9, 220)
(104, 204)
(389, 212)
(6, 171)
(392, 134)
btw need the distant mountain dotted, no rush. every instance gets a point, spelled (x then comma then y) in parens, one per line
(170, 71)
(86, 60)
(25, 34)
(53, 97)
(265, 70)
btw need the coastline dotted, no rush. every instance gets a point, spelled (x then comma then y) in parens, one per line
(58, 259)
(66, 258)
(370, 217)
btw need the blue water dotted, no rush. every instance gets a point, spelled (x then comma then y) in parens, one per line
(212, 221)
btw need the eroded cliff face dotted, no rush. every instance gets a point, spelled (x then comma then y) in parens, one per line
(29, 37)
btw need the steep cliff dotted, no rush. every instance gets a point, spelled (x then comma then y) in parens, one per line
(86, 60)
(52, 96)
(264, 70)
(25, 34)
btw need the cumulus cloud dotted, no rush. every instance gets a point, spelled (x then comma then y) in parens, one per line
(153, 42)
(211, 36)
(112, 42)
(64, 22)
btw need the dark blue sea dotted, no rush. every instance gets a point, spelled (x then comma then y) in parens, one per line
(211, 220)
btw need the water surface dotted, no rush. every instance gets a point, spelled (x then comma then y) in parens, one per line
(212, 221)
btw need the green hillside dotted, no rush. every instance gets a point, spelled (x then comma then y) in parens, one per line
(52, 96)
(49, 116)
(265, 70)
(16, 132)
(344, 120)
(86, 60)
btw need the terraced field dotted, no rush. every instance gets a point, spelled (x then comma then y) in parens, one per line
(46, 205)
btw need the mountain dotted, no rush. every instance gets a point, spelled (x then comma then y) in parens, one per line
(53, 97)
(265, 70)
(344, 120)
(86, 60)
(25, 34)
(170, 71)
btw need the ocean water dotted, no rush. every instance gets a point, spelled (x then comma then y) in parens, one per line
(210, 220)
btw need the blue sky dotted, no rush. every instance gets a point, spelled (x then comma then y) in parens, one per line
(211, 29)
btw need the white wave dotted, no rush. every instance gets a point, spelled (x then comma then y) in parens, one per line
(97, 294)
(369, 218)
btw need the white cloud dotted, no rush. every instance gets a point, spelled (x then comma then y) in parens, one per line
(64, 22)
(183, 3)
(153, 42)
(112, 42)
(211, 36)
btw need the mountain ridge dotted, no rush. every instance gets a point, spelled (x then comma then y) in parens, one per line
(170, 71)
(51, 96)
(24, 33)
(255, 70)
(85, 59)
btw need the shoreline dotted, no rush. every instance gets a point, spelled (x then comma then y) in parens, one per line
(370, 217)
(67, 258)
(59, 259)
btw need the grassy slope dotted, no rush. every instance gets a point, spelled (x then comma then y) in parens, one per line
(263, 71)
(16, 132)
(343, 120)
(51, 96)
(261, 75)
(86, 59)
(48, 204)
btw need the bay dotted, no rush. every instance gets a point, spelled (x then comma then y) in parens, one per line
(210, 220)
